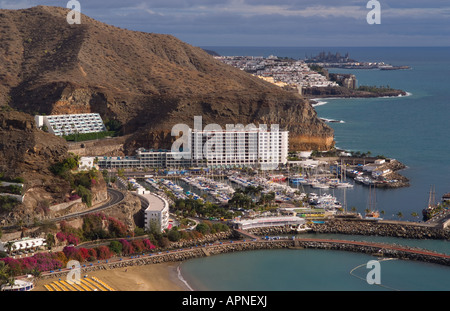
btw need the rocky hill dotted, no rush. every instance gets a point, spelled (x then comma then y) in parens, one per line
(147, 81)
(27, 153)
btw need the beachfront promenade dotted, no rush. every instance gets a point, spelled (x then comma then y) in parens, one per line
(209, 249)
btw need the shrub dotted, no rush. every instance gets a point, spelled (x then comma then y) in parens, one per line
(163, 242)
(72, 239)
(85, 194)
(61, 236)
(148, 245)
(138, 246)
(117, 228)
(174, 235)
(72, 253)
(127, 247)
(61, 168)
(116, 247)
(103, 252)
(84, 253)
(202, 228)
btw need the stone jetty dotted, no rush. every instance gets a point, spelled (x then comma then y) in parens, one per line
(376, 249)
(227, 242)
(410, 230)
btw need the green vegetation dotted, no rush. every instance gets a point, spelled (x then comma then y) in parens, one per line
(318, 69)
(80, 182)
(208, 227)
(330, 153)
(62, 168)
(191, 207)
(107, 178)
(113, 126)
(88, 136)
(19, 180)
(6, 275)
(7, 204)
(12, 189)
(375, 89)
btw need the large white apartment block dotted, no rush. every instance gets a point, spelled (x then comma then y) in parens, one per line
(67, 124)
(252, 147)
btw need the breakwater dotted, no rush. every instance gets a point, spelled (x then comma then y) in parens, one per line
(382, 228)
(376, 249)
(409, 230)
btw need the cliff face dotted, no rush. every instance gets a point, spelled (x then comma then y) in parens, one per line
(28, 152)
(147, 81)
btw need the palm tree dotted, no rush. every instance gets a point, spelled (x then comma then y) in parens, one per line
(9, 246)
(6, 277)
(400, 215)
(36, 273)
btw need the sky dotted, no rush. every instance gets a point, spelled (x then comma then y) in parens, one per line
(283, 23)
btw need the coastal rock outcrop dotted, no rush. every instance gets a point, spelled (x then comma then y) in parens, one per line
(344, 92)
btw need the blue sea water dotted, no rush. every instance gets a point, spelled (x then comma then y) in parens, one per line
(414, 130)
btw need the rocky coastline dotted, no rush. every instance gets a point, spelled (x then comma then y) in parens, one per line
(365, 227)
(210, 245)
(217, 249)
(343, 92)
(382, 228)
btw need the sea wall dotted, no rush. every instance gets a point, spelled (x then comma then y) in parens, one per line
(217, 249)
(380, 228)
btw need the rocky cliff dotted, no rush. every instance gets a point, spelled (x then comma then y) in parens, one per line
(27, 152)
(147, 81)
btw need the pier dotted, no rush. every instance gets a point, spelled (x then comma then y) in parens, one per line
(246, 234)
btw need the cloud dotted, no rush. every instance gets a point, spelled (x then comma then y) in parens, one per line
(272, 22)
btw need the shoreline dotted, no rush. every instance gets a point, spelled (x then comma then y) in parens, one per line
(154, 277)
(163, 273)
(319, 101)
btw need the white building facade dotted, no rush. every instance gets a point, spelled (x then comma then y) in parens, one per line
(23, 245)
(157, 212)
(252, 147)
(67, 124)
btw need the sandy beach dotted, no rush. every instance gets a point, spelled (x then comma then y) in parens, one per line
(155, 277)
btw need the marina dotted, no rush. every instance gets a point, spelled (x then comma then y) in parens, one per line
(297, 195)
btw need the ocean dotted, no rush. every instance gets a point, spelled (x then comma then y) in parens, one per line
(412, 129)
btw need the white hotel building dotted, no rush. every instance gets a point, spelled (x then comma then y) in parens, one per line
(67, 124)
(252, 147)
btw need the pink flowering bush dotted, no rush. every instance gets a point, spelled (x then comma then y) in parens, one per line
(117, 228)
(103, 252)
(127, 247)
(61, 236)
(74, 197)
(40, 261)
(148, 245)
(72, 239)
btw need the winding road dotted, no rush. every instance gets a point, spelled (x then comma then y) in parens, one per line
(115, 197)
